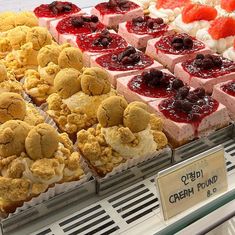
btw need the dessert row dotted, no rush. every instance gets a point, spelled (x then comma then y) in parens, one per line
(110, 101)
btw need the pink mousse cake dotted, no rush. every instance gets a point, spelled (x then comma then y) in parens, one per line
(97, 44)
(113, 12)
(225, 94)
(205, 71)
(66, 29)
(124, 62)
(54, 11)
(190, 115)
(175, 48)
(152, 85)
(139, 30)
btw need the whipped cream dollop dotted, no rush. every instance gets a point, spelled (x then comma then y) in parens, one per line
(143, 3)
(190, 28)
(218, 46)
(146, 144)
(230, 54)
(168, 15)
(207, 2)
(223, 12)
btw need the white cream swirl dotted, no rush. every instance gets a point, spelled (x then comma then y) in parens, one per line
(146, 145)
(168, 15)
(230, 54)
(219, 45)
(190, 28)
(223, 12)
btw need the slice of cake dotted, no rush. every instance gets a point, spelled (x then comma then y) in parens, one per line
(114, 12)
(124, 62)
(175, 48)
(205, 71)
(139, 30)
(225, 94)
(189, 115)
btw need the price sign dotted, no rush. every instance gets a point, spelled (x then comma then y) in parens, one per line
(184, 185)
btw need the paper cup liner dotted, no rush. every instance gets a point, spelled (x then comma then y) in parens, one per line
(55, 190)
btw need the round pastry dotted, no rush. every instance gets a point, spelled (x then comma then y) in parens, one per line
(12, 106)
(94, 81)
(136, 117)
(3, 73)
(70, 57)
(110, 112)
(17, 36)
(47, 54)
(42, 142)
(67, 82)
(39, 37)
(12, 137)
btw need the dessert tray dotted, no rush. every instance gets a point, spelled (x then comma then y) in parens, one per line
(125, 200)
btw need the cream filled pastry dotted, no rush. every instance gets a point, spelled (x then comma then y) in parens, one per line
(32, 160)
(123, 132)
(74, 104)
(194, 17)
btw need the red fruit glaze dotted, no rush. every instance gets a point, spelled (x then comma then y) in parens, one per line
(222, 27)
(229, 88)
(86, 43)
(109, 61)
(138, 85)
(104, 8)
(171, 4)
(199, 111)
(227, 67)
(44, 10)
(65, 27)
(194, 12)
(143, 28)
(228, 5)
(165, 45)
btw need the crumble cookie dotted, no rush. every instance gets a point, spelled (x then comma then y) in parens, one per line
(13, 107)
(124, 132)
(75, 103)
(32, 160)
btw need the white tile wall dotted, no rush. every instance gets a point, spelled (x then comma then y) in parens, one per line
(20, 5)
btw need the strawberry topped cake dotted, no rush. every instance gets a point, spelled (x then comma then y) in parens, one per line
(220, 34)
(98, 43)
(139, 30)
(167, 9)
(113, 12)
(194, 17)
(230, 52)
(174, 48)
(55, 10)
(68, 28)
(226, 8)
(225, 94)
(190, 114)
(152, 85)
(124, 62)
(205, 71)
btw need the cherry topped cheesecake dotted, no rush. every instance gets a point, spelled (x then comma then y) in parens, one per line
(174, 48)
(123, 62)
(113, 12)
(205, 71)
(225, 94)
(152, 85)
(55, 10)
(139, 30)
(68, 28)
(190, 114)
(99, 43)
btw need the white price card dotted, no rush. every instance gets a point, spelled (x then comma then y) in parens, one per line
(188, 183)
